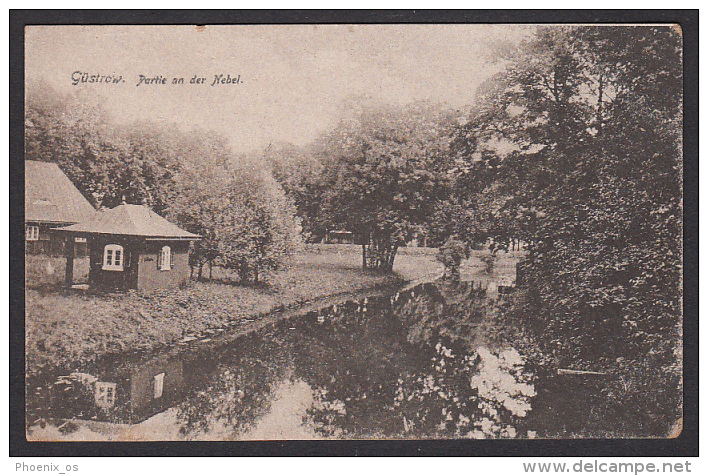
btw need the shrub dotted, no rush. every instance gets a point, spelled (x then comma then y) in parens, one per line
(451, 254)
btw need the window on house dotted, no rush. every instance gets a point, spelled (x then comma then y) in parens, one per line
(105, 394)
(164, 259)
(158, 384)
(113, 258)
(31, 233)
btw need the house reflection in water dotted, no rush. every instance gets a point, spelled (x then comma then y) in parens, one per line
(129, 394)
(105, 395)
(154, 385)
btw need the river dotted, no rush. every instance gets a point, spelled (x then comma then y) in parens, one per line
(423, 362)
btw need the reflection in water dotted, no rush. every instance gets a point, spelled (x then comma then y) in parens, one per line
(360, 370)
(501, 383)
(285, 420)
(412, 365)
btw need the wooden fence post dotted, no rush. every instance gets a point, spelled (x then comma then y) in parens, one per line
(69, 253)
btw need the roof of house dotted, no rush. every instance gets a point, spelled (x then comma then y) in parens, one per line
(131, 220)
(51, 197)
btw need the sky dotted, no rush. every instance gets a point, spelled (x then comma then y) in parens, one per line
(296, 81)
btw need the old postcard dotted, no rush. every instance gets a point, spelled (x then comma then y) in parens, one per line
(385, 231)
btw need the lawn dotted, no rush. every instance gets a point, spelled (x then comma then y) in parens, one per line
(66, 331)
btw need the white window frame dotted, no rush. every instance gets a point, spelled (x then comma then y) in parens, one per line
(110, 263)
(31, 232)
(105, 394)
(158, 385)
(164, 259)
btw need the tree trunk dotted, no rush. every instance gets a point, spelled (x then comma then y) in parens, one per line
(392, 256)
(379, 253)
(599, 103)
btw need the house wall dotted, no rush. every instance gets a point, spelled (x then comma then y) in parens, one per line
(338, 237)
(50, 243)
(142, 384)
(140, 270)
(150, 278)
(42, 270)
(114, 280)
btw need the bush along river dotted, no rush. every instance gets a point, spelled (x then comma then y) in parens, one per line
(416, 363)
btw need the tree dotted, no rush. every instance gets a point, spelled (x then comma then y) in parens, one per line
(107, 163)
(592, 118)
(382, 176)
(259, 229)
(198, 203)
(451, 255)
(43, 112)
(298, 171)
(247, 223)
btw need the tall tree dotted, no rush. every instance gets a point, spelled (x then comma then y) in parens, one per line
(298, 170)
(258, 230)
(592, 121)
(247, 223)
(582, 135)
(383, 172)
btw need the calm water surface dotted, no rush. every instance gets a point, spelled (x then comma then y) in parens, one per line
(421, 363)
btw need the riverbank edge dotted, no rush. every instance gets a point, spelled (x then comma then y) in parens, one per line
(258, 321)
(245, 324)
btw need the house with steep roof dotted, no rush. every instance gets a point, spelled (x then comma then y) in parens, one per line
(132, 247)
(51, 201)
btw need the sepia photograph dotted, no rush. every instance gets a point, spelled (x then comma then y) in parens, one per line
(353, 232)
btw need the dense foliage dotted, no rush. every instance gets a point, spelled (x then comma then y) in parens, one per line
(594, 176)
(380, 174)
(590, 178)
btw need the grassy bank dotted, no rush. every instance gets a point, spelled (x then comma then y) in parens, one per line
(68, 330)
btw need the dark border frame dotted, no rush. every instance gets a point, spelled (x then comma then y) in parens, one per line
(684, 445)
